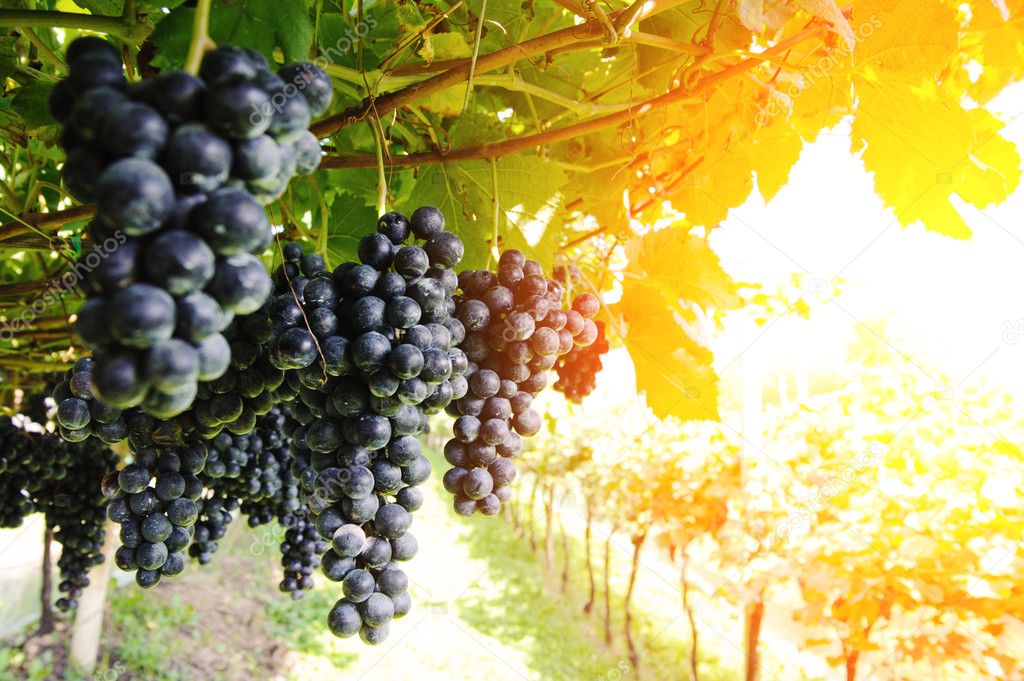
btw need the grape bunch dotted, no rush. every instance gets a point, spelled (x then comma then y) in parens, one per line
(278, 493)
(76, 512)
(251, 473)
(178, 167)
(300, 555)
(255, 469)
(79, 414)
(371, 351)
(578, 368)
(213, 517)
(20, 467)
(153, 499)
(515, 333)
(41, 473)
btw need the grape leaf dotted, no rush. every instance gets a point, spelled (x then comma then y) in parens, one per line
(102, 7)
(673, 371)
(923, 147)
(30, 102)
(997, 43)
(904, 41)
(260, 24)
(830, 12)
(528, 197)
(350, 220)
(669, 273)
(444, 46)
(683, 267)
(751, 14)
(8, 57)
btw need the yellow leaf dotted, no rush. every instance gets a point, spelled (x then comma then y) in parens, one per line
(909, 41)
(922, 147)
(776, 148)
(723, 180)
(995, 41)
(682, 267)
(672, 370)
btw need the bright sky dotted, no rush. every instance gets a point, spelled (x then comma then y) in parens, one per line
(951, 300)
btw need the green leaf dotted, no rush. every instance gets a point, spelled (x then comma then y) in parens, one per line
(30, 102)
(8, 57)
(509, 21)
(262, 25)
(441, 46)
(294, 30)
(350, 220)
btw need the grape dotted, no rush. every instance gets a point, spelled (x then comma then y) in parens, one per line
(239, 109)
(258, 158)
(426, 221)
(179, 262)
(177, 95)
(289, 115)
(577, 370)
(365, 406)
(240, 284)
(134, 195)
(313, 82)
(344, 620)
(231, 222)
(197, 159)
(133, 129)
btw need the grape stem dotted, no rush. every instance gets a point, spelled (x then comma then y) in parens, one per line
(382, 179)
(201, 41)
(295, 297)
(496, 207)
(476, 53)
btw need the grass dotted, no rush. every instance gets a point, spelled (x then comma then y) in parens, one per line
(483, 607)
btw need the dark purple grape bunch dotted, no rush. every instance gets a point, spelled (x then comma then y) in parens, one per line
(76, 512)
(254, 468)
(43, 473)
(300, 556)
(153, 499)
(179, 168)
(371, 351)
(79, 414)
(29, 457)
(214, 515)
(516, 330)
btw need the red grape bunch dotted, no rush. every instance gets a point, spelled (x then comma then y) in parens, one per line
(516, 330)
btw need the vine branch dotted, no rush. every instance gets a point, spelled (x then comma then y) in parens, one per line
(391, 101)
(128, 31)
(41, 222)
(634, 111)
